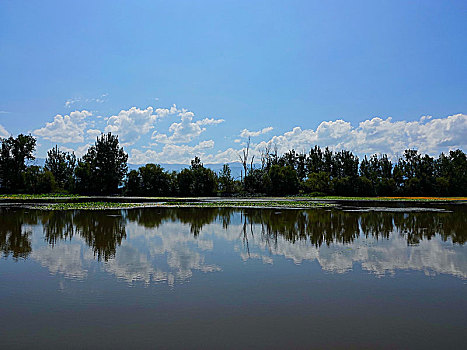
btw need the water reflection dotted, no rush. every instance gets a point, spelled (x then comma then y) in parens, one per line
(15, 233)
(168, 245)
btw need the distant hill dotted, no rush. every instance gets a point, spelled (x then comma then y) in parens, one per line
(235, 167)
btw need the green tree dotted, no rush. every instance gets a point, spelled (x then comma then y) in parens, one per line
(185, 182)
(318, 183)
(345, 164)
(226, 181)
(458, 173)
(103, 168)
(62, 166)
(314, 162)
(197, 180)
(133, 183)
(154, 180)
(284, 180)
(84, 178)
(13, 154)
(258, 181)
(38, 180)
(204, 179)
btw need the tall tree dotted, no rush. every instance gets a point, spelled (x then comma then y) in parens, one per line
(197, 180)
(154, 180)
(244, 157)
(62, 166)
(133, 183)
(226, 181)
(284, 180)
(13, 154)
(103, 167)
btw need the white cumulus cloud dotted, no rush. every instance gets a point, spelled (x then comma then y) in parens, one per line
(210, 121)
(66, 129)
(132, 123)
(186, 130)
(377, 135)
(171, 153)
(248, 133)
(78, 151)
(93, 133)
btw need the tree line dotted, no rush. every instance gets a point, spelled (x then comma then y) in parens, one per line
(103, 170)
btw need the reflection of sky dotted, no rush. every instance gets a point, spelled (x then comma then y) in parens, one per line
(171, 254)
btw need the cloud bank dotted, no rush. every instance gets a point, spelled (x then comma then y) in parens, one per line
(376, 135)
(182, 140)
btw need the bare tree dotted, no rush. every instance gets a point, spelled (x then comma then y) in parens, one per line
(244, 156)
(265, 155)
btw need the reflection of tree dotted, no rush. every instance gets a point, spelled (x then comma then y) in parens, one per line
(425, 225)
(14, 239)
(328, 226)
(101, 231)
(149, 218)
(319, 226)
(454, 228)
(376, 224)
(57, 225)
(195, 217)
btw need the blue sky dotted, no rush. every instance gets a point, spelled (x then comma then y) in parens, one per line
(293, 73)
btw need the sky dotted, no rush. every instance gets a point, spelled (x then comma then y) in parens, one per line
(178, 79)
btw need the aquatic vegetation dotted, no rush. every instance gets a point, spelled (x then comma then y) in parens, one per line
(251, 204)
(38, 196)
(88, 206)
(177, 204)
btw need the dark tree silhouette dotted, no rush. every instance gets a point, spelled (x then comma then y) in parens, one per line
(62, 166)
(103, 168)
(13, 154)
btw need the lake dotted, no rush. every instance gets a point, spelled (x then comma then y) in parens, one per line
(345, 277)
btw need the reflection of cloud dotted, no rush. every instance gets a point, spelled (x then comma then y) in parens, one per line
(131, 265)
(183, 261)
(64, 259)
(376, 256)
(169, 254)
(429, 256)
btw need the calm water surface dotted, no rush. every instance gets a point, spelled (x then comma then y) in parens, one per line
(224, 278)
